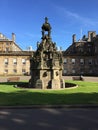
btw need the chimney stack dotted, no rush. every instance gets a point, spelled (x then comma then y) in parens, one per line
(89, 36)
(74, 38)
(13, 37)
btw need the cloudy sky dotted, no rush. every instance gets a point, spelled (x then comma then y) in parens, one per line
(67, 17)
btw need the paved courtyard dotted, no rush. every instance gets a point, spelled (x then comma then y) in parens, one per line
(48, 119)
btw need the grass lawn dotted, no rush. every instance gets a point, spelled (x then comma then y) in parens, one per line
(86, 93)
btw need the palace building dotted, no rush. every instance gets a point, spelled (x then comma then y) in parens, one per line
(81, 58)
(13, 60)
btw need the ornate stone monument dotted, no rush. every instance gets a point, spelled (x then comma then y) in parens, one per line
(46, 63)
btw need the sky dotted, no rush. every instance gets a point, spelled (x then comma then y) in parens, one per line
(67, 17)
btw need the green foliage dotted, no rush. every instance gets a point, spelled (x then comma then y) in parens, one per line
(85, 93)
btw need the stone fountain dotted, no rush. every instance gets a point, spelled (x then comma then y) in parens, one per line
(46, 64)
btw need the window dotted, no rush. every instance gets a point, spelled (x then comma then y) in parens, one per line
(96, 62)
(65, 61)
(6, 71)
(81, 49)
(90, 62)
(6, 61)
(90, 71)
(15, 71)
(64, 72)
(23, 61)
(82, 72)
(89, 49)
(73, 61)
(7, 43)
(7, 49)
(82, 61)
(15, 61)
(23, 71)
(73, 71)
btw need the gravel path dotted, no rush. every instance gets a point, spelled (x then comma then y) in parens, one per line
(26, 78)
(89, 79)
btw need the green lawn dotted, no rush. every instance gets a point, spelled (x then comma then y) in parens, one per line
(86, 93)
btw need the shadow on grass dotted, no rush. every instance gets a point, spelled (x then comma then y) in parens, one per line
(26, 84)
(23, 97)
(40, 97)
(14, 83)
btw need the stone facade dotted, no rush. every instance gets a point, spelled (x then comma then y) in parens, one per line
(15, 64)
(81, 58)
(13, 61)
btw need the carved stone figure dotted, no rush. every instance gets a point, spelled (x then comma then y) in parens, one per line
(46, 27)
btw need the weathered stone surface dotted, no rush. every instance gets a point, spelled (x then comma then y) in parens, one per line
(46, 64)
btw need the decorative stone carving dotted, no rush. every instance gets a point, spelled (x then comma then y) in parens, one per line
(46, 63)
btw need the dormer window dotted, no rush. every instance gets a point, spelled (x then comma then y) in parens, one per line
(7, 49)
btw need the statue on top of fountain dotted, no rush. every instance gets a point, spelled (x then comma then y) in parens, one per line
(46, 43)
(46, 27)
